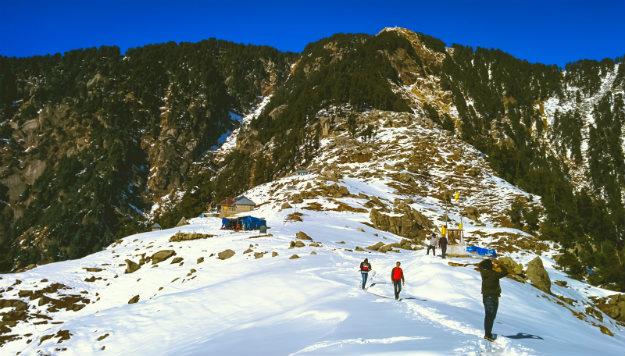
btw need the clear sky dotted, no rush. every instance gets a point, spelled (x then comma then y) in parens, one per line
(548, 31)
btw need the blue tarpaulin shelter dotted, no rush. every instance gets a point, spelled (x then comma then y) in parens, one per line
(489, 252)
(243, 223)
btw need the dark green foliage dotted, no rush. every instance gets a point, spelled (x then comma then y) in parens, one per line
(504, 87)
(567, 127)
(106, 112)
(342, 69)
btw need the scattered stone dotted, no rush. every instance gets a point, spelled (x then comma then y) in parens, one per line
(176, 260)
(359, 249)
(376, 247)
(249, 250)
(605, 330)
(102, 337)
(315, 244)
(538, 276)
(613, 305)
(313, 253)
(293, 257)
(296, 216)
(296, 244)
(184, 236)
(134, 299)
(200, 259)
(61, 334)
(131, 266)
(225, 254)
(561, 283)
(274, 254)
(162, 255)
(301, 235)
(258, 255)
(90, 279)
(456, 264)
(285, 205)
(91, 269)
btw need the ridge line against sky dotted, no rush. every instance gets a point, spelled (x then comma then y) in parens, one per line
(550, 32)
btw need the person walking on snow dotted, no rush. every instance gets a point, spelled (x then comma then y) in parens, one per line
(432, 245)
(443, 245)
(491, 290)
(365, 267)
(397, 277)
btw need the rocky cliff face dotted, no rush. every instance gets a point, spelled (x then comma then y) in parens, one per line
(90, 139)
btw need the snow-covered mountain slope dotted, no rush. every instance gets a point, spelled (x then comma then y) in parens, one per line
(282, 295)
(277, 305)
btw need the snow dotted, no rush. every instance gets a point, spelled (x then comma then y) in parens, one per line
(313, 304)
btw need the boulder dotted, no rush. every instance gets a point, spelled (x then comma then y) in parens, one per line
(225, 254)
(386, 248)
(406, 244)
(538, 276)
(510, 265)
(301, 235)
(614, 306)
(295, 244)
(132, 266)
(183, 221)
(162, 255)
(376, 246)
(404, 221)
(134, 299)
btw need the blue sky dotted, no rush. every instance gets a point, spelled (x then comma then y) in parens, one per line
(554, 32)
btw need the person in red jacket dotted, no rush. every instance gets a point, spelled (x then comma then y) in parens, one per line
(365, 267)
(397, 277)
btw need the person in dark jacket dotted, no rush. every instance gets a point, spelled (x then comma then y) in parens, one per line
(397, 277)
(491, 290)
(442, 243)
(365, 267)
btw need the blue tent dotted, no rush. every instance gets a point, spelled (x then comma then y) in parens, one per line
(489, 252)
(252, 223)
(244, 223)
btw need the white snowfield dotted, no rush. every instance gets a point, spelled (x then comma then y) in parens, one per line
(307, 306)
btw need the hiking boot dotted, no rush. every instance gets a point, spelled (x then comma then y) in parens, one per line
(490, 338)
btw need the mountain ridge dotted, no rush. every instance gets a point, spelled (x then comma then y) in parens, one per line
(485, 97)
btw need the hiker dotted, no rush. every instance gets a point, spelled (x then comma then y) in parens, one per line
(443, 245)
(432, 245)
(365, 267)
(397, 277)
(491, 290)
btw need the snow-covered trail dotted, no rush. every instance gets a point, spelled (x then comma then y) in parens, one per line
(310, 305)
